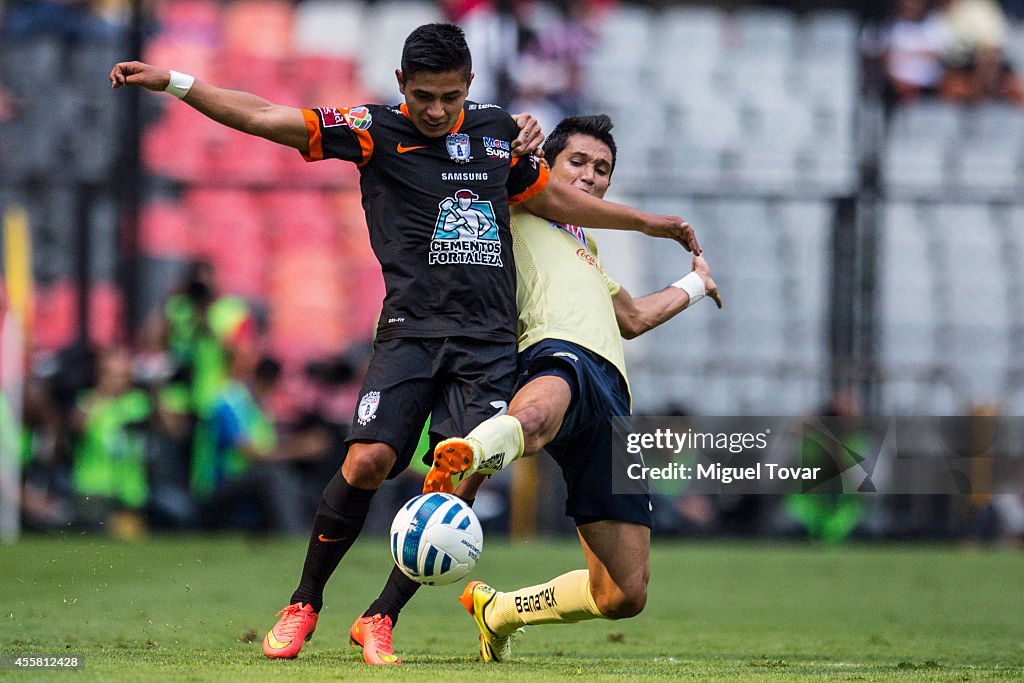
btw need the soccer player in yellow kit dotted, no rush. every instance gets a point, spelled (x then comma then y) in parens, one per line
(572, 382)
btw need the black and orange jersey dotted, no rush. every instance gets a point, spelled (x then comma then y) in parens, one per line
(437, 212)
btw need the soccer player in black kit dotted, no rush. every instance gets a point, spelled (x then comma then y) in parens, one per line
(437, 175)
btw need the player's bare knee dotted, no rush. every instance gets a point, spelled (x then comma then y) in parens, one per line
(621, 600)
(538, 424)
(367, 467)
(618, 604)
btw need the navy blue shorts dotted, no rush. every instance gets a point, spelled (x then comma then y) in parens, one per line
(583, 445)
(458, 381)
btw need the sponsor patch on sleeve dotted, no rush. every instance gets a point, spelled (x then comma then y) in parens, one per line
(332, 117)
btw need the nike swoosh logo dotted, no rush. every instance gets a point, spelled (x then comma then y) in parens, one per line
(274, 642)
(402, 149)
(324, 539)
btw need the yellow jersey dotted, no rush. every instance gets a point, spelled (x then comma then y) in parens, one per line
(562, 292)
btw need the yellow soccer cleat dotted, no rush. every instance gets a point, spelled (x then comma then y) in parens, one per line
(476, 596)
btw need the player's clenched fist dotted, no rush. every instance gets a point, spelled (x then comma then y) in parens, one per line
(530, 136)
(140, 74)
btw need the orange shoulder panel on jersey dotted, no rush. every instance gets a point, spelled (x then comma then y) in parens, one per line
(316, 142)
(458, 124)
(535, 188)
(365, 140)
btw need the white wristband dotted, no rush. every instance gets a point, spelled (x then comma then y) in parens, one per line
(693, 285)
(180, 84)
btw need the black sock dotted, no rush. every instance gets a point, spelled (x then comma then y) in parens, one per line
(397, 593)
(339, 519)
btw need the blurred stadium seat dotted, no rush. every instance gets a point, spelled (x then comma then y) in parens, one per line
(56, 315)
(324, 80)
(915, 165)
(932, 325)
(175, 146)
(258, 27)
(329, 27)
(298, 218)
(164, 230)
(759, 99)
(385, 26)
(765, 30)
(308, 312)
(228, 230)
(617, 71)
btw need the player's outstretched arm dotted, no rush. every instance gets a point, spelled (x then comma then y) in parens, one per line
(234, 108)
(636, 316)
(566, 204)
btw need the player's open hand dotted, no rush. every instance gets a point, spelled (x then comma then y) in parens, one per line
(140, 74)
(673, 228)
(700, 266)
(530, 136)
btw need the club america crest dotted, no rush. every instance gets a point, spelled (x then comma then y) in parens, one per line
(458, 147)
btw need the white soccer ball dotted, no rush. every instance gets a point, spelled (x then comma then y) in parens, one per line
(436, 539)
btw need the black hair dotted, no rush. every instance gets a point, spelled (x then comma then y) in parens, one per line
(598, 126)
(436, 48)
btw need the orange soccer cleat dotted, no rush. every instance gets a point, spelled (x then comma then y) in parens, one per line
(373, 636)
(452, 457)
(294, 628)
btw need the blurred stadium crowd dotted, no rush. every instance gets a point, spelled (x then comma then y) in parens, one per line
(202, 303)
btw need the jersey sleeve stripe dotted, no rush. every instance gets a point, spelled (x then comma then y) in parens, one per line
(365, 143)
(534, 189)
(316, 143)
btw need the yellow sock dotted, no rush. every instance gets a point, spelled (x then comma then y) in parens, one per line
(564, 599)
(501, 441)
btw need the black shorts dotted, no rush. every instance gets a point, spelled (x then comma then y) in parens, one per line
(583, 445)
(458, 381)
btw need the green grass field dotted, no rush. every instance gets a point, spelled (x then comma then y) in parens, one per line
(194, 609)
